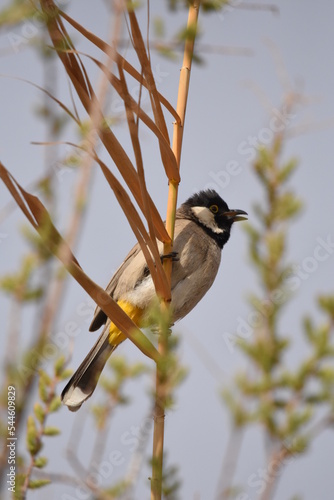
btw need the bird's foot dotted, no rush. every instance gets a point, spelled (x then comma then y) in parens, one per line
(156, 330)
(171, 255)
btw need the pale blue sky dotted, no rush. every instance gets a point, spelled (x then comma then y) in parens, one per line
(224, 114)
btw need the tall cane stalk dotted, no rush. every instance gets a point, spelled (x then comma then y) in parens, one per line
(161, 368)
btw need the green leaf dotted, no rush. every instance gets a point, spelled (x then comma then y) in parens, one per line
(16, 13)
(297, 419)
(326, 374)
(138, 369)
(66, 374)
(239, 413)
(159, 26)
(38, 483)
(286, 206)
(213, 5)
(39, 412)
(51, 431)
(32, 294)
(55, 404)
(275, 241)
(59, 365)
(309, 329)
(119, 365)
(188, 33)
(322, 340)
(299, 444)
(315, 399)
(166, 51)
(33, 440)
(100, 413)
(8, 283)
(287, 170)
(44, 383)
(253, 233)
(260, 213)
(40, 462)
(326, 303)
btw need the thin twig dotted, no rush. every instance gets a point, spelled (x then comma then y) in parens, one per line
(230, 463)
(207, 48)
(257, 6)
(136, 462)
(102, 435)
(275, 464)
(206, 358)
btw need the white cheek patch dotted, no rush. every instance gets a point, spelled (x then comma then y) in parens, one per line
(206, 217)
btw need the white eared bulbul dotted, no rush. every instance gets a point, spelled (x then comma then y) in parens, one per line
(202, 227)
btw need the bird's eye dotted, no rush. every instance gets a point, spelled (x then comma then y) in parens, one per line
(214, 209)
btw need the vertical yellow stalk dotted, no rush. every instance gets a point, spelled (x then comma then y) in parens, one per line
(161, 370)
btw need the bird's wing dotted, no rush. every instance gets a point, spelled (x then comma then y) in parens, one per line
(100, 317)
(132, 270)
(195, 260)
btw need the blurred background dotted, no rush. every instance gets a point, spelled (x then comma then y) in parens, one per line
(250, 57)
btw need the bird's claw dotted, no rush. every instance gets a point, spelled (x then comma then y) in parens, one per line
(170, 255)
(156, 330)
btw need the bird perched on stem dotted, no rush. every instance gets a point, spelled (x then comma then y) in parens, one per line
(202, 228)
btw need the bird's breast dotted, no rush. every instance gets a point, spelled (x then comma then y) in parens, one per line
(194, 271)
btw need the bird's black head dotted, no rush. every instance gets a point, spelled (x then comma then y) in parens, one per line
(210, 211)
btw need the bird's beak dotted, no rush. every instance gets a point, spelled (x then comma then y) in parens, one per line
(235, 215)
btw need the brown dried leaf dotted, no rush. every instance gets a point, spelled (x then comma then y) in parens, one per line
(102, 45)
(76, 71)
(139, 46)
(38, 216)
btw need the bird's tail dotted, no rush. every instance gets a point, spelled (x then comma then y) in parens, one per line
(82, 384)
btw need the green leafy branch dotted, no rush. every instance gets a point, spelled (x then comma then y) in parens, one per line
(283, 401)
(114, 388)
(37, 427)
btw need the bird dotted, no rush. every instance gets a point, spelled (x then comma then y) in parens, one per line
(202, 228)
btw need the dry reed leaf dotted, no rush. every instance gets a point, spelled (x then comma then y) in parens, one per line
(61, 104)
(139, 46)
(40, 219)
(75, 69)
(133, 106)
(102, 45)
(133, 128)
(147, 243)
(157, 99)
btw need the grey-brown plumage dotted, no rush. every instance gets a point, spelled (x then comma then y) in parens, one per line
(202, 228)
